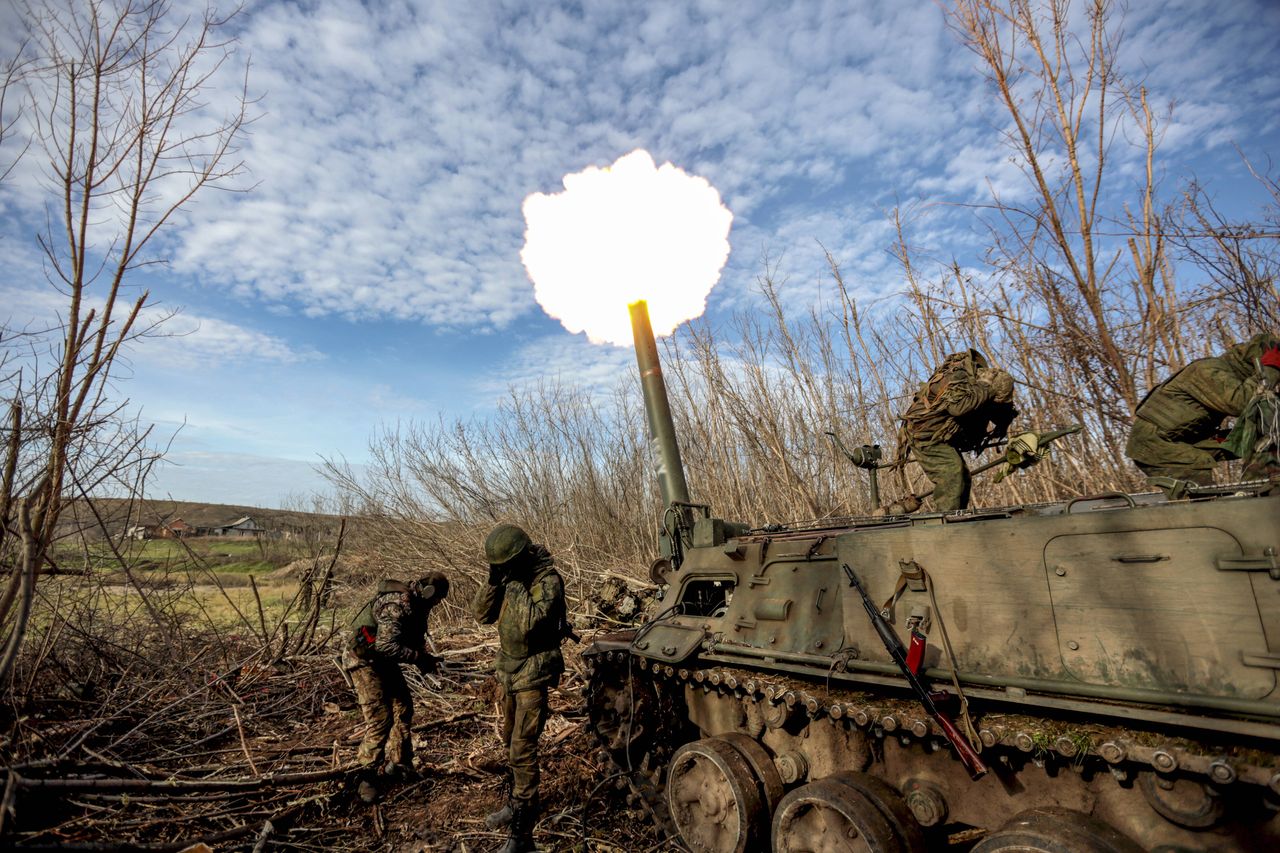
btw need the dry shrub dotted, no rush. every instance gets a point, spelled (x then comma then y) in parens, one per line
(752, 406)
(1089, 289)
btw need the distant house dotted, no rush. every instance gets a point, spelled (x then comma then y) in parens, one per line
(176, 529)
(140, 532)
(246, 526)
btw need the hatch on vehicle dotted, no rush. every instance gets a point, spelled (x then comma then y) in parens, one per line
(1149, 608)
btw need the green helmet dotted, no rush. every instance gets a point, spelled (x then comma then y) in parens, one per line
(970, 358)
(504, 543)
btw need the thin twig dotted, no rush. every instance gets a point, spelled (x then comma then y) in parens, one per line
(243, 744)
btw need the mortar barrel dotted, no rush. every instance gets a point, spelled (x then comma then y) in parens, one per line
(657, 408)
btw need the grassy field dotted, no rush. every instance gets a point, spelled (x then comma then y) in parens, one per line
(195, 598)
(224, 585)
(225, 556)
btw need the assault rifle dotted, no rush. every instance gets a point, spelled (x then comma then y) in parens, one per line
(928, 698)
(1045, 438)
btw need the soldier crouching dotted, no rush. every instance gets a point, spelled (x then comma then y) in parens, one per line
(964, 405)
(389, 631)
(1176, 437)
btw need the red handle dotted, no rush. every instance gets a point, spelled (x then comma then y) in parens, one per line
(970, 759)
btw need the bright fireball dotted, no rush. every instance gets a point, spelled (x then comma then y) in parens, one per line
(626, 232)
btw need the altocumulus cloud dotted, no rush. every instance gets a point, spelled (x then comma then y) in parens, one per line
(398, 139)
(191, 341)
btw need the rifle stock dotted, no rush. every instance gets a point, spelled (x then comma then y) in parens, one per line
(971, 760)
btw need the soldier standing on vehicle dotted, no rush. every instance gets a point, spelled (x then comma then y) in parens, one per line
(525, 596)
(1176, 428)
(389, 631)
(965, 405)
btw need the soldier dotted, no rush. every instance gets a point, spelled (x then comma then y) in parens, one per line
(1176, 428)
(525, 596)
(389, 631)
(965, 405)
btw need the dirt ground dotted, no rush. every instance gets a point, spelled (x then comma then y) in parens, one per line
(297, 717)
(456, 743)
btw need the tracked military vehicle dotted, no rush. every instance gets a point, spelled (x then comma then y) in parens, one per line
(1090, 675)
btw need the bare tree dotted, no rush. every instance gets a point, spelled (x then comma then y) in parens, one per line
(113, 105)
(1055, 78)
(1242, 259)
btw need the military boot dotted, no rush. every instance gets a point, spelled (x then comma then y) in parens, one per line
(367, 789)
(524, 814)
(402, 773)
(502, 817)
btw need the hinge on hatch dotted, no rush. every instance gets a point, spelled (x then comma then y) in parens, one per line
(1264, 562)
(1266, 660)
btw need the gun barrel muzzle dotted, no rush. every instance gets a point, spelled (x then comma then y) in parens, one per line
(657, 408)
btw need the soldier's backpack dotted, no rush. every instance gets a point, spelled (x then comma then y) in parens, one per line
(364, 627)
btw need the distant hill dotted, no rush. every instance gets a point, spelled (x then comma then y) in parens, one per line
(119, 513)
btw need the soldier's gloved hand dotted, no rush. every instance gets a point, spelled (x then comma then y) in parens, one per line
(428, 664)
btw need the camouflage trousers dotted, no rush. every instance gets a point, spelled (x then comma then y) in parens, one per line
(1157, 456)
(945, 468)
(387, 708)
(524, 714)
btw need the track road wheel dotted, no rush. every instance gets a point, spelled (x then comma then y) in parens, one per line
(766, 772)
(1054, 830)
(1186, 802)
(829, 816)
(891, 804)
(714, 798)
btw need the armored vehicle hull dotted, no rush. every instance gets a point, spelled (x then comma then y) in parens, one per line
(1117, 656)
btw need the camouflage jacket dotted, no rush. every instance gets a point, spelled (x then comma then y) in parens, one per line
(530, 611)
(398, 620)
(954, 407)
(1191, 405)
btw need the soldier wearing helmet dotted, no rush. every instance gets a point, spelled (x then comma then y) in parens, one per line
(1175, 435)
(389, 631)
(525, 597)
(964, 405)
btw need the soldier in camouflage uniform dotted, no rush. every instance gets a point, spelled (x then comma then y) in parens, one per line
(1176, 428)
(965, 404)
(525, 596)
(389, 631)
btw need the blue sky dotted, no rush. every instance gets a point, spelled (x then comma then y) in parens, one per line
(372, 274)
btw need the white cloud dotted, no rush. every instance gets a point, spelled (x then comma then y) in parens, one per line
(396, 148)
(183, 339)
(387, 401)
(192, 342)
(398, 139)
(599, 369)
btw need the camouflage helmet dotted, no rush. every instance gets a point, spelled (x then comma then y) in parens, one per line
(1000, 382)
(971, 359)
(1242, 356)
(504, 543)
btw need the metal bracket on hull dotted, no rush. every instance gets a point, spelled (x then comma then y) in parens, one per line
(1264, 562)
(1266, 660)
